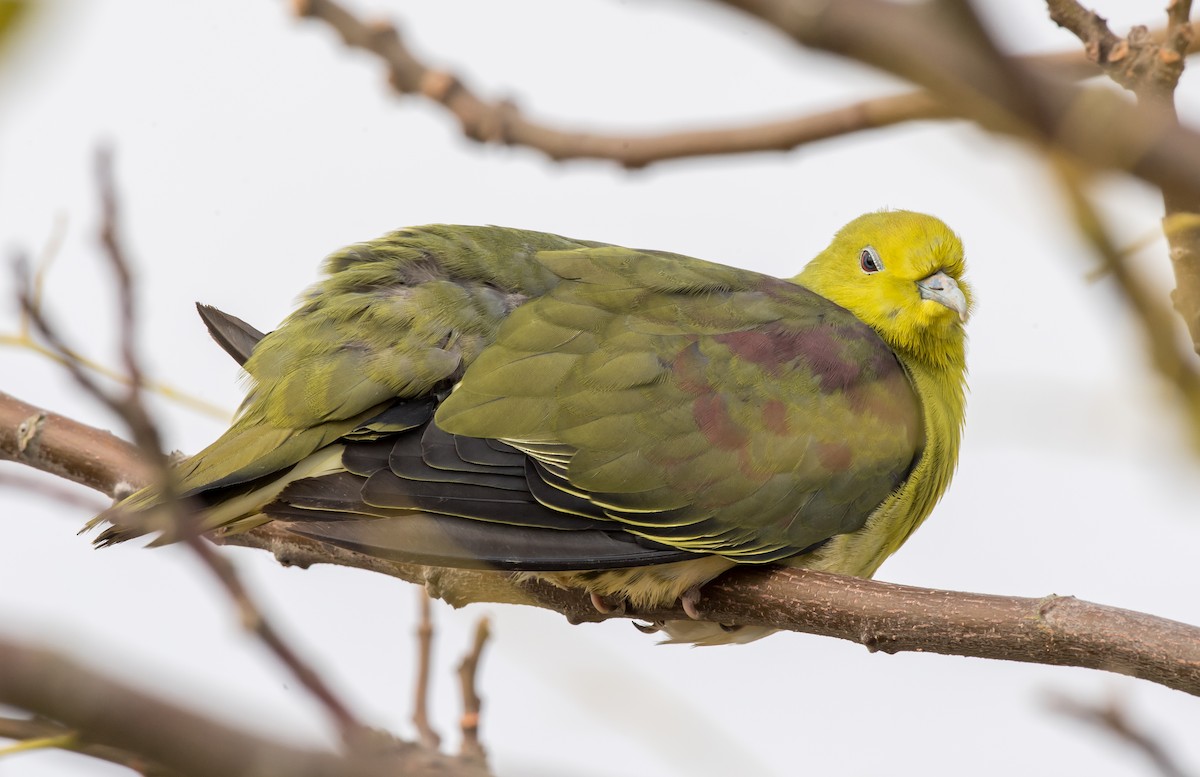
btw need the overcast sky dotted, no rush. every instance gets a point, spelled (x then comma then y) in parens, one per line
(249, 145)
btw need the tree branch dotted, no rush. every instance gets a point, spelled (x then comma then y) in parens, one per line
(882, 616)
(66, 448)
(502, 122)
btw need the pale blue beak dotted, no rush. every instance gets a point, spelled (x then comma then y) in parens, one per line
(943, 289)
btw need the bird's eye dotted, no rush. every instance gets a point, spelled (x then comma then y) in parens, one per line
(869, 260)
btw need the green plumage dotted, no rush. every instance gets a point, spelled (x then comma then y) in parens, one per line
(633, 422)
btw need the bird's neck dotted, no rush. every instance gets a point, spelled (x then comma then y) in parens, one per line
(942, 392)
(941, 388)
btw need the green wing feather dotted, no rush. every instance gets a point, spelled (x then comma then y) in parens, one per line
(707, 408)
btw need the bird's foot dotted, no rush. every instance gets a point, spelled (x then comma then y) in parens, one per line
(649, 628)
(689, 600)
(602, 605)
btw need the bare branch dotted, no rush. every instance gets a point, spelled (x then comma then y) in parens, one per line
(882, 616)
(1101, 45)
(66, 448)
(468, 668)
(1056, 630)
(502, 122)
(116, 716)
(1092, 124)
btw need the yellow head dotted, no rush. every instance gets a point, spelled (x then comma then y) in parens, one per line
(901, 273)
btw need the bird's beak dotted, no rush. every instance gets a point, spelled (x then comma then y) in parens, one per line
(943, 289)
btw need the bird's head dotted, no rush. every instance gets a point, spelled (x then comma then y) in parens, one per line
(901, 273)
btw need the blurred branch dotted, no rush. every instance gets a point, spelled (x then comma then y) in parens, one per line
(55, 490)
(923, 44)
(1113, 718)
(960, 65)
(468, 668)
(1150, 66)
(130, 408)
(115, 716)
(1179, 367)
(255, 621)
(892, 618)
(425, 732)
(502, 122)
(24, 339)
(136, 465)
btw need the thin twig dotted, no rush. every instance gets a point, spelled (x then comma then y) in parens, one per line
(1113, 718)
(472, 748)
(426, 734)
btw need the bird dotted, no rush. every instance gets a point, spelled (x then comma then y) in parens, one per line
(632, 423)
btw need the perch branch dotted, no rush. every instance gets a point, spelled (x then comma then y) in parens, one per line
(882, 616)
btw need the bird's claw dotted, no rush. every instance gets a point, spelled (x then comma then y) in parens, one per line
(649, 628)
(603, 607)
(689, 600)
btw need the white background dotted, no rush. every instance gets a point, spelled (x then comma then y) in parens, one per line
(249, 145)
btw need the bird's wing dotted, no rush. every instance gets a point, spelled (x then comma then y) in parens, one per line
(671, 404)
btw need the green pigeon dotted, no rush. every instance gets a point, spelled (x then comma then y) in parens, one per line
(629, 422)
